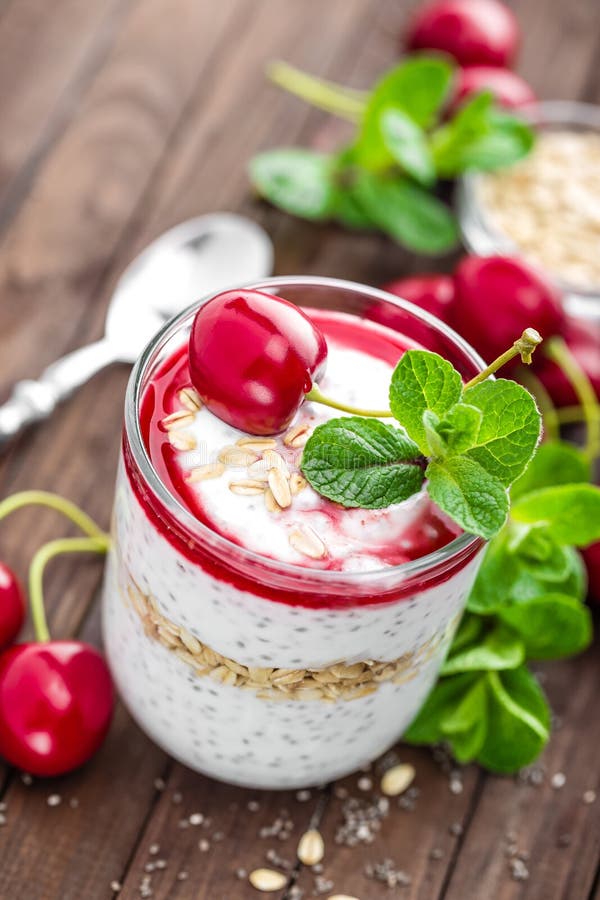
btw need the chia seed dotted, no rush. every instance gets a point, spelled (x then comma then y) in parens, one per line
(518, 870)
(388, 873)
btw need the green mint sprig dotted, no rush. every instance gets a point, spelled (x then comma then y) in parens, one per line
(526, 605)
(404, 145)
(468, 442)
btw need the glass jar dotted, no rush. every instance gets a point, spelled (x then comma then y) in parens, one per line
(484, 238)
(206, 639)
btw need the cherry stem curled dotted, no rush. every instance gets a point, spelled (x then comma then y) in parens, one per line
(36, 574)
(523, 347)
(558, 351)
(96, 541)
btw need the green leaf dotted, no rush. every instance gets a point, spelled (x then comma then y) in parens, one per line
(456, 432)
(469, 631)
(407, 144)
(500, 649)
(497, 573)
(551, 626)
(554, 463)
(480, 137)
(297, 181)
(530, 581)
(361, 462)
(476, 500)
(510, 427)
(465, 726)
(422, 381)
(441, 701)
(418, 87)
(407, 212)
(349, 213)
(571, 512)
(518, 724)
(538, 552)
(506, 577)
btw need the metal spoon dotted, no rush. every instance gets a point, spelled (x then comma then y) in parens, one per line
(199, 256)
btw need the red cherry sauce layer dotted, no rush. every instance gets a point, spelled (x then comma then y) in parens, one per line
(429, 533)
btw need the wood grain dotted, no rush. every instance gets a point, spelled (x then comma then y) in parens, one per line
(122, 118)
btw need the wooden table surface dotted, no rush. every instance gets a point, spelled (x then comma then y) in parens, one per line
(119, 118)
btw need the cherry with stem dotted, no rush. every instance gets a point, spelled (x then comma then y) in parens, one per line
(56, 696)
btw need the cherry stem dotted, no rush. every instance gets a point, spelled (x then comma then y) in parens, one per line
(550, 414)
(53, 501)
(570, 415)
(36, 574)
(523, 347)
(317, 397)
(558, 351)
(333, 98)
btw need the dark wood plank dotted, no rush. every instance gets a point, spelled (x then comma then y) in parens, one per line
(66, 41)
(234, 819)
(420, 836)
(554, 826)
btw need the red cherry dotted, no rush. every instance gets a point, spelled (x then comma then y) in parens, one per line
(56, 702)
(12, 606)
(591, 558)
(253, 357)
(432, 292)
(497, 298)
(584, 343)
(474, 32)
(509, 89)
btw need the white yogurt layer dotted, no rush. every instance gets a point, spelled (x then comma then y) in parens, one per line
(232, 733)
(355, 539)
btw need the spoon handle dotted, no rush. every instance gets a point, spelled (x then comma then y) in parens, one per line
(32, 401)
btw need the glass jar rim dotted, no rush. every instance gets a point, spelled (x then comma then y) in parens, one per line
(286, 574)
(552, 114)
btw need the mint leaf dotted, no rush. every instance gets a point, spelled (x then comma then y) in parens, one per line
(554, 463)
(571, 512)
(347, 211)
(456, 432)
(362, 462)
(422, 381)
(507, 575)
(418, 87)
(500, 649)
(510, 427)
(551, 626)
(538, 552)
(476, 500)
(465, 726)
(441, 701)
(469, 631)
(407, 145)
(407, 212)
(297, 181)
(519, 721)
(532, 581)
(480, 137)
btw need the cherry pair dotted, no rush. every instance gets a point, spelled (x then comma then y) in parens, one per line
(56, 697)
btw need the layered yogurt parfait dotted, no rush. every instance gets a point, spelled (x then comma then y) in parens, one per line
(258, 631)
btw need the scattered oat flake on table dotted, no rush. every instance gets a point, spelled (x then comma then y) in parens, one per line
(397, 779)
(267, 880)
(311, 848)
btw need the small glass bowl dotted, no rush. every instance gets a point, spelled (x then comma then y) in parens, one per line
(483, 238)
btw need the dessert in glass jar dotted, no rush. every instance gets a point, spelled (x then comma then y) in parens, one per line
(259, 632)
